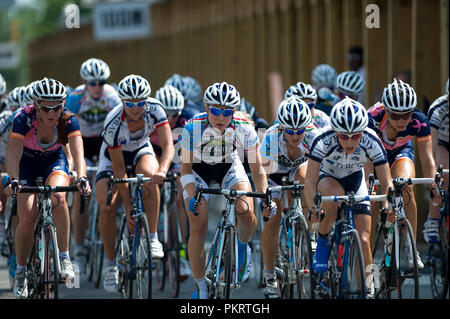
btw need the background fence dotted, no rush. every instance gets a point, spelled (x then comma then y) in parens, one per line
(243, 41)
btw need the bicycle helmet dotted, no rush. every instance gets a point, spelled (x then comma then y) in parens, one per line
(350, 82)
(302, 90)
(27, 99)
(171, 99)
(133, 87)
(323, 75)
(293, 113)
(222, 94)
(399, 97)
(192, 89)
(2, 85)
(94, 69)
(349, 116)
(49, 90)
(446, 87)
(15, 97)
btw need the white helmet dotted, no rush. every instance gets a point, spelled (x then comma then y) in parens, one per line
(15, 97)
(350, 82)
(94, 69)
(2, 85)
(133, 87)
(302, 90)
(399, 97)
(171, 99)
(27, 94)
(49, 90)
(348, 116)
(323, 75)
(293, 113)
(192, 89)
(222, 94)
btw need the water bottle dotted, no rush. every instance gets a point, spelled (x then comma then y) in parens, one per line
(340, 258)
(388, 242)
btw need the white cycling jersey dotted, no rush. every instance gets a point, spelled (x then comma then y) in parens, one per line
(274, 148)
(321, 119)
(5, 127)
(116, 132)
(438, 117)
(92, 112)
(326, 150)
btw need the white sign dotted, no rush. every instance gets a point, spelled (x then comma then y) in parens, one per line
(9, 55)
(121, 20)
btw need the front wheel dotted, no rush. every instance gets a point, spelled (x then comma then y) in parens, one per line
(51, 260)
(353, 280)
(438, 262)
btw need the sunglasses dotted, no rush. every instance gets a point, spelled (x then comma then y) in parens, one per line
(47, 108)
(133, 104)
(398, 117)
(217, 111)
(354, 137)
(94, 83)
(292, 132)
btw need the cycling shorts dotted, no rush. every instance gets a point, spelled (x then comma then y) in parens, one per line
(403, 153)
(31, 168)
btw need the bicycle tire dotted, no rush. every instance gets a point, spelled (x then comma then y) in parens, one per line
(51, 259)
(122, 259)
(355, 267)
(96, 252)
(438, 262)
(143, 287)
(257, 256)
(406, 273)
(304, 277)
(329, 279)
(173, 254)
(282, 264)
(34, 277)
(228, 258)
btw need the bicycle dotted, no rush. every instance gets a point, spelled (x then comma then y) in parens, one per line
(169, 230)
(293, 265)
(345, 277)
(437, 258)
(44, 266)
(223, 254)
(397, 266)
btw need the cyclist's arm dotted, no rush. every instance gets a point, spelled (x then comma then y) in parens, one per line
(168, 150)
(119, 170)
(312, 175)
(258, 172)
(69, 157)
(77, 152)
(187, 158)
(384, 175)
(15, 150)
(425, 150)
(435, 140)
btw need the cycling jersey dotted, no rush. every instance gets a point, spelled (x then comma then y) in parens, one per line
(211, 147)
(438, 118)
(418, 127)
(5, 126)
(116, 133)
(92, 112)
(274, 147)
(326, 150)
(24, 127)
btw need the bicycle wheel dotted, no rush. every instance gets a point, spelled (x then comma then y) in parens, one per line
(159, 265)
(327, 282)
(143, 287)
(353, 278)
(304, 280)
(96, 252)
(257, 257)
(173, 254)
(438, 262)
(282, 264)
(34, 277)
(405, 262)
(228, 262)
(51, 259)
(122, 258)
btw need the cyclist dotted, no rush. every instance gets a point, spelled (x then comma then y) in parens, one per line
(212, 146)
(438, 119)
(247, 108)
(14, 103)
(34, 150)
(286, 145)
(397, 121)
(191, 90)
(126, 143)
(323, 79)
(308, 94)
(351, 84)
(90, 102)
(173, 103)
(3, 99)
(335, 167)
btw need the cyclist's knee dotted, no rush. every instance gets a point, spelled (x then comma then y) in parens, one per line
(59, 200)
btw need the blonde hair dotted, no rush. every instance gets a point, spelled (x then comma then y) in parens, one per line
(245, 116)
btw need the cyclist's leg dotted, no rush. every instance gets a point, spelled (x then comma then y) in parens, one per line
(23, 236)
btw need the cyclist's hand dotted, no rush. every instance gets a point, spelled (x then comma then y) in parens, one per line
(268, 211)
(73, 177)
(158, 177)
(8, 190)
(83, 185)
